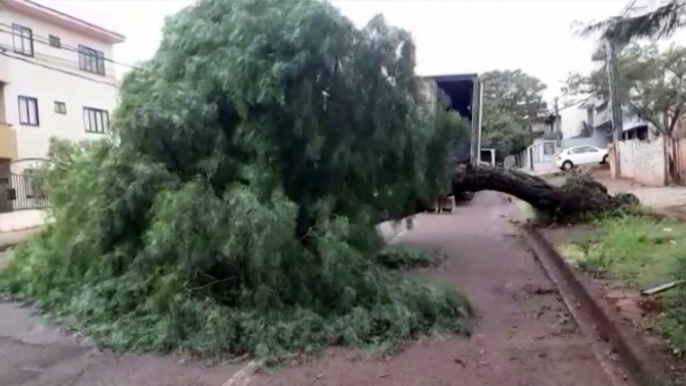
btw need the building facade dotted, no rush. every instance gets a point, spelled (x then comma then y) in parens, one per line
(56, 79)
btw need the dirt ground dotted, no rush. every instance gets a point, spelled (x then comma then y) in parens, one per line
(523, 334)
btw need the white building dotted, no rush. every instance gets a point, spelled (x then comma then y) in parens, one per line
(56, 80)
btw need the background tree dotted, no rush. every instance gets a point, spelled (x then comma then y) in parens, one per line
(651, 81)
(660, 23)
(652, 85)
(512, 102)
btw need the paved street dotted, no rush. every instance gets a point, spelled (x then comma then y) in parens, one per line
(34, 353)
(523, 334)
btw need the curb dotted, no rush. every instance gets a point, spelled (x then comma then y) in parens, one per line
(592, 319)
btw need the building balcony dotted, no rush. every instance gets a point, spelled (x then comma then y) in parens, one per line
(8, 142)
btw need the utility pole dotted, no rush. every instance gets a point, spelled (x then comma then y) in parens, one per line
(615, 101)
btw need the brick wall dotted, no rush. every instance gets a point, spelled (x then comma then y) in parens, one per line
(644, 161)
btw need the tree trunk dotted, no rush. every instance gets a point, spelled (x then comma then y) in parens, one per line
(578, 196)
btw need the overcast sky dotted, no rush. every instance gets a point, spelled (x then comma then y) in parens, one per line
(452, 36)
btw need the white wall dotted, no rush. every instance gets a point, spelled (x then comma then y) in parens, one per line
(23, 219)
(571, 119)
(78, 90)
(643, 161)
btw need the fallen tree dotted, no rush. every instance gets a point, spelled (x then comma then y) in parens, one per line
(580, 194)
(235, 213)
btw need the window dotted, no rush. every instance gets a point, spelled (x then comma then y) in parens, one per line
(55, 41)
(23, 40)
(589, 149)
(28, 111)
(91, 60)
(549, 148)
(60, 107)
(95, 120)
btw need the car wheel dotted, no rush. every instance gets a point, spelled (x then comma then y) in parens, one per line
(567, 165)
(604, 161)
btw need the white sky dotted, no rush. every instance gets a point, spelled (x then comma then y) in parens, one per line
(452, 36)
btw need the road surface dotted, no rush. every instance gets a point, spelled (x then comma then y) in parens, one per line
(523, 334)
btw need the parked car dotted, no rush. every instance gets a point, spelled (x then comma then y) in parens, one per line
(580, 155)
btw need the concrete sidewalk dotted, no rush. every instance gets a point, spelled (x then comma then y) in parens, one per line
(8, 239)
(656, 197)
(659, 198)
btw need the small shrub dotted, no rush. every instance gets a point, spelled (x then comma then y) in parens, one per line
(398, 256)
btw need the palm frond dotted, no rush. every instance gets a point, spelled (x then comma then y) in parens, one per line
(657, 24)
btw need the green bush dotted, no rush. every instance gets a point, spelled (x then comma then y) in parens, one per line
(235, 211)
(405, 256)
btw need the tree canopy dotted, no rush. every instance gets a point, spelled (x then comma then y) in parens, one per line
(651, 84)
(660, 23)
(235, 212)
(512, 102)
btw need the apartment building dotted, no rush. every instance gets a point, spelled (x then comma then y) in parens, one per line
(57, 79)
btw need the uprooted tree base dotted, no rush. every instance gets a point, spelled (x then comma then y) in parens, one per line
(579, 196)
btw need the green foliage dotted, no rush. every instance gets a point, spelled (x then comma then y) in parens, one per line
(397, 256)
(660, 23)
(651, 83)
(635, 250)
(235, 212)
(513, 100)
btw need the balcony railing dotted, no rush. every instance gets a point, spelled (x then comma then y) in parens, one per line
(8, 141)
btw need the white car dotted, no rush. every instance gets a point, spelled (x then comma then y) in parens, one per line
(580, 155)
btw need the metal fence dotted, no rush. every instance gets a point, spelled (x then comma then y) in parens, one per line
(22, 192)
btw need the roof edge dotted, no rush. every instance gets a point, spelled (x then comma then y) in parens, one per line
(64, 20)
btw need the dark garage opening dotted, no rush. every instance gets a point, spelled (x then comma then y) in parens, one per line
(460, 90)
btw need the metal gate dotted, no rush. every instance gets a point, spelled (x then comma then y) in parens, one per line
(23, 189)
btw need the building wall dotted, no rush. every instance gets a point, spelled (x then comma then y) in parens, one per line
(571, 120)
(23, 219)
(51, 75)
(597, 139)
(643, 161)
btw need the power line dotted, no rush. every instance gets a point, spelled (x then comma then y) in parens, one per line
(3, 52)
(66, 47)
(49, 59)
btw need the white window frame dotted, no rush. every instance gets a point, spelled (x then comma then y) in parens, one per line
(28, 111)
(96, 121)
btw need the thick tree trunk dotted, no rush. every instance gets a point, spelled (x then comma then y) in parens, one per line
(579, 195)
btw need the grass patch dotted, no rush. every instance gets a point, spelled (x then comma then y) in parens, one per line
(399, 256)
(641, 252)
(636, 250)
